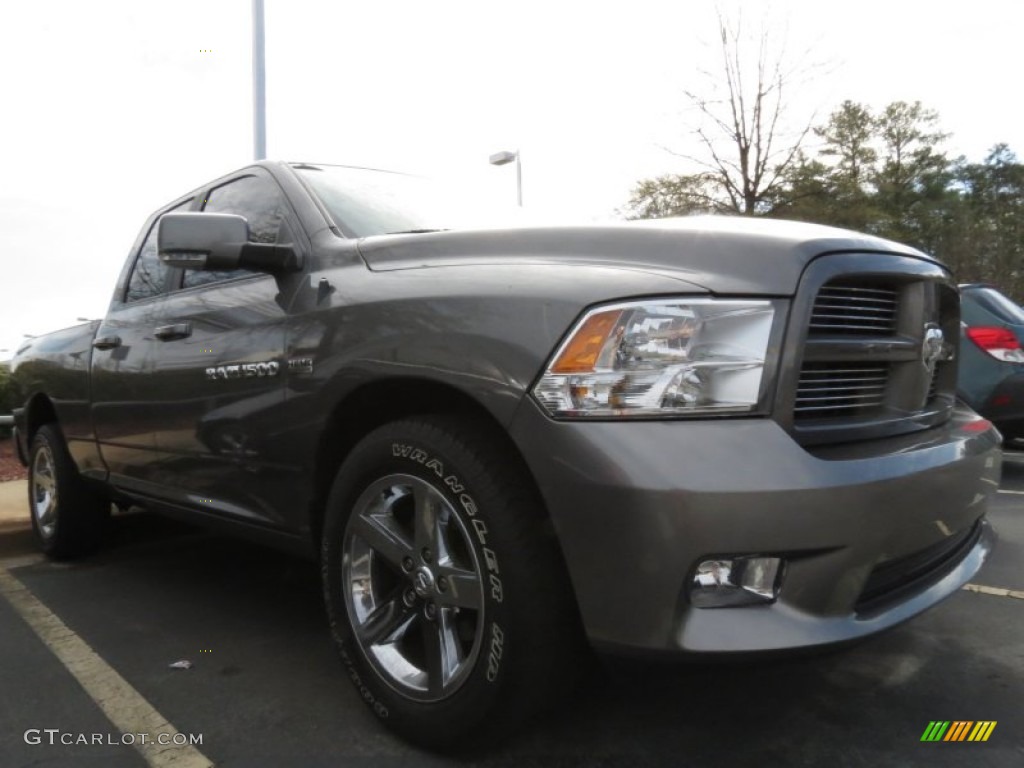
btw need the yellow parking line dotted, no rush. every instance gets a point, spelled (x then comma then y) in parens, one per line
(996, 591)
(123, 705)
(20, 561)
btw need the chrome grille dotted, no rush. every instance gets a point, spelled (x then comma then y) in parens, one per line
(827, 390)
(860, 309)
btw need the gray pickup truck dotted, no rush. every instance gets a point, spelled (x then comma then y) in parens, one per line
(508, 445)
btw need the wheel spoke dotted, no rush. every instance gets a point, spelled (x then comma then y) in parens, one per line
(426, 525)
(463, 588)
(451, 649)
(442, 650)
(387, 542)
(387, 623)
(45, 481)
(48, 516)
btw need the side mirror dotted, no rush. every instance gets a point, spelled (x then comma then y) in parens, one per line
(213, 241)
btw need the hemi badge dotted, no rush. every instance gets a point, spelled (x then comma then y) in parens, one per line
(300, 365)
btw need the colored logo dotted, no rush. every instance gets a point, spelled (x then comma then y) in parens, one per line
(958, 730)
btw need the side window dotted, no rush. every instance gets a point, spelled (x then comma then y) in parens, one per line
(149, 275)
(259, 200)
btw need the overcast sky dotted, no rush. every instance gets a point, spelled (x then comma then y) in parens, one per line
(110, 109)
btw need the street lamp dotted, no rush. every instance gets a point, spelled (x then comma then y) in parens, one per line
(503, 158)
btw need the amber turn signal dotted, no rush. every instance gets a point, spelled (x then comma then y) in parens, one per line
(581, 353)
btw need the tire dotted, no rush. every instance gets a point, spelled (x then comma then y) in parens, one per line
(454, 647)
(68, 516)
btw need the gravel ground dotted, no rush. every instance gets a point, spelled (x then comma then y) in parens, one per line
(10, 467)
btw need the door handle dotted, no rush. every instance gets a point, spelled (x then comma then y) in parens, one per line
(174, 331)
(106, 342)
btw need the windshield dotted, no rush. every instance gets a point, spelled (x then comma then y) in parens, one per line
(366, 202)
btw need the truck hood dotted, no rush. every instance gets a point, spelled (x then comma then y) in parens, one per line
(722, 254)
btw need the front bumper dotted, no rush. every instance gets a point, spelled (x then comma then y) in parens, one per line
(636, 505)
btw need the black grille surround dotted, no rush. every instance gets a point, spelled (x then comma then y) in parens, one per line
(890, 580)
(871, 349)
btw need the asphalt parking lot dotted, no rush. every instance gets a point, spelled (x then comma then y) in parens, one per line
(265, 688)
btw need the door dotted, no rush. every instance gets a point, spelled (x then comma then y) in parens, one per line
(220, 368)
(121, 360)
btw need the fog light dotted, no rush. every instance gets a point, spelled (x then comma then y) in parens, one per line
(738, 581)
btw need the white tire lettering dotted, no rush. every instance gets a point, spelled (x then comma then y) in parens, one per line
(496, 650)
(481, 531)
(492, 560)
(497, 591)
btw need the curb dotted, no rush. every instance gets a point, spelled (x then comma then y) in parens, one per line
(14, 511)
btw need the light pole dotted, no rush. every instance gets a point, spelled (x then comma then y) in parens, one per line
(505, 157)
(259, 84)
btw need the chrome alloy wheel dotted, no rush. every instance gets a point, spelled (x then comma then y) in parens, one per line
(44, 492)
(413, 587)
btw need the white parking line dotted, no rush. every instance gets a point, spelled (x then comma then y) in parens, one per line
(997, 591)
(123, 705)
(1012, 493)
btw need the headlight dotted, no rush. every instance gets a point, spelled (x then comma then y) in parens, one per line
(661, 358)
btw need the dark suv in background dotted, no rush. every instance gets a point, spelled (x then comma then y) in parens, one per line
(991, 376)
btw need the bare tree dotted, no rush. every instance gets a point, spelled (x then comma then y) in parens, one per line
(746, 141)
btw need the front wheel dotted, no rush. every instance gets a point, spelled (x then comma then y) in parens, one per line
(444, 586)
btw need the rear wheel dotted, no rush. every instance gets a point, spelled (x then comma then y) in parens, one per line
(447, 597)
(68, 515)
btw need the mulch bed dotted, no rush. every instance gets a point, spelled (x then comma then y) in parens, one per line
(10, 467)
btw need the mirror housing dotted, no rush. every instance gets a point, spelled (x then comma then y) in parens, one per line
(215, 241)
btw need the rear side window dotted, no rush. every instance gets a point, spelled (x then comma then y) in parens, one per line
(999, 305)
(257, 199)
(149, 274)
